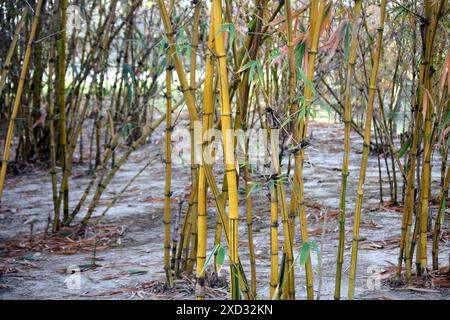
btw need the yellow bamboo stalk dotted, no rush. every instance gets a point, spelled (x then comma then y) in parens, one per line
(228, 149)
(273, 241)
(208, 106)
(168, 174)
(62, 112)
(17, 100)
(191, 104)
(405, 245)
(187, 93)
(426, 167)
(317, 9)
(194, 166)
(366, 149)
(437, 224)
(51, 115)
(345, 162)
(12, 47)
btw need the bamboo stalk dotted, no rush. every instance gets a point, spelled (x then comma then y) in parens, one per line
(437, 223)
(228, 151)
(51, 112)
(273, 241)
(317, 11)
(168, 163)
(405, 245)
(7, 63)
(194, 167)
(102, 184)
(426, 167)
(208, 107)
(17, 100)
(345, 162)
(62, 113)
(366, 147)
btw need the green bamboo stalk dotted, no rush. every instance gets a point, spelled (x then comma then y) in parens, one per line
(11, 49)
(345, 162)
(23, 74)
(168, 173)
(366, 149)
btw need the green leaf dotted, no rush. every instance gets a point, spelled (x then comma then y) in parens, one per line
(253, 186)
(259, 69)
(162, 45)
(307, 81)
(347, 29)
(252, 71)
(208, 259)
(393, 115)
(220, 258)
(285, 122)
(274, 54)
(183, 47)
(299, 53)
(404, 148)
(252, 25)
(443, 206)
(246, 66)
(306, 250)
(301, 115)
(230, 28)
(128, 74)
(304, 253)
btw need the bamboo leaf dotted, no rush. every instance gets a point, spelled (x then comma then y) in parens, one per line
(246, 66)
(347, 29)
(301, 115)
(259, 69)
(404, 148)
(208, 259)
(307, 81)
(220, 259)
(162, 45)
(274, 54)
(304, 253)
(231, 29)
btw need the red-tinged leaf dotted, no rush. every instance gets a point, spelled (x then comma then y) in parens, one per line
(282, 19)
(425, 106)
(283, 51)
(40, 120)
(445, 133)
(327, 18)
(305, 61)
(444, 75)
(427, 100)
(295, 25)
(335, 36)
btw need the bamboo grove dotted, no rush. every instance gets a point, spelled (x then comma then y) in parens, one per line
(87, 83)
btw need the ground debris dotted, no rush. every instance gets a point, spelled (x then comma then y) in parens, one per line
(70, 240)
(433, 282)
(440, 277)
(184, 288)
(389, 243)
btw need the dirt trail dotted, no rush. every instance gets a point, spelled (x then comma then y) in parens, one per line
(136, 258)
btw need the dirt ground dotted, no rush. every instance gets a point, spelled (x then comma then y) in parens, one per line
(129, 266)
